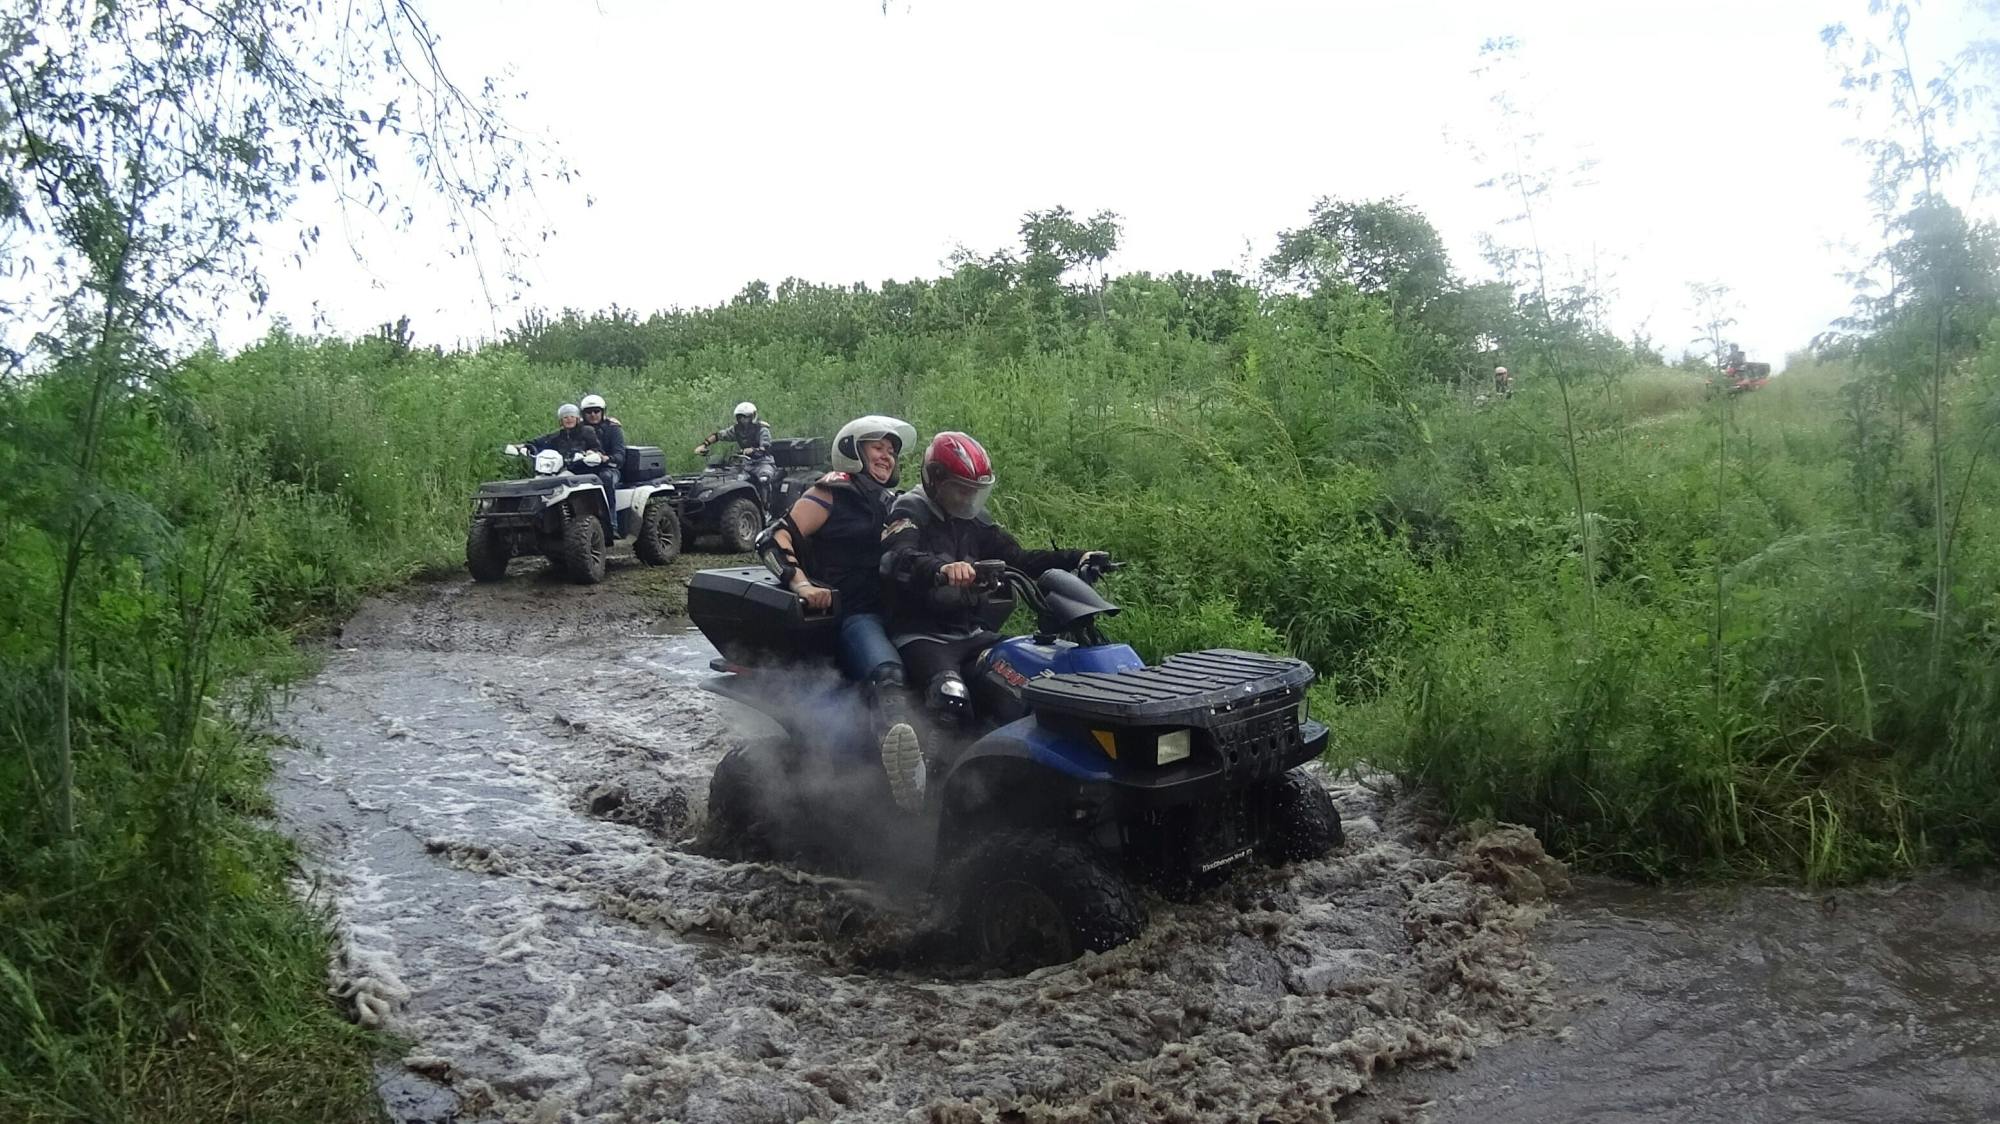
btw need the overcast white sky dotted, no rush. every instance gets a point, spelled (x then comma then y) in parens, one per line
(729, 140)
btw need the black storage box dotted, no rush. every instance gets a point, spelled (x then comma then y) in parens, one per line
(751, 619)
(799, 452)
(642, 463)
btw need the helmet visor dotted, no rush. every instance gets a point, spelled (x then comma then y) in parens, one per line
(960, 499)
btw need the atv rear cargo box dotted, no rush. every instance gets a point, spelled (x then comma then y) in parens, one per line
(642, 463)
(799, 452)
(751, 619)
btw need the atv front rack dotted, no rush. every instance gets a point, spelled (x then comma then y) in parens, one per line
(1244, 706)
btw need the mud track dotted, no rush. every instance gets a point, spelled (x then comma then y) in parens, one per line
(497, 785)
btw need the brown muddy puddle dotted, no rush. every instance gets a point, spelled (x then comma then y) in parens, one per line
(497, 786)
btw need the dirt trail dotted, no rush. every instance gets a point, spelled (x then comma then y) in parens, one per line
(498, 783)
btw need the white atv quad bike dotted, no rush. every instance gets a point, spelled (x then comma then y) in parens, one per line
(560, 515)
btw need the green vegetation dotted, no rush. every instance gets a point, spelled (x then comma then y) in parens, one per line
(153, 965)
(1740, 681)
(1678, 635)
(1754, 695)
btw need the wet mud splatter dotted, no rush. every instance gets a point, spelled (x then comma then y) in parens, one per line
(500, 785)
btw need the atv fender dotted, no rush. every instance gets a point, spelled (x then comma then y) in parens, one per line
(644, 493)
(1000, 791)
(634, 499)
(588, 496)
(1029, 741)
(723, 491)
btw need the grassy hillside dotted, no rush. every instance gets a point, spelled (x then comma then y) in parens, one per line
(1677, 635)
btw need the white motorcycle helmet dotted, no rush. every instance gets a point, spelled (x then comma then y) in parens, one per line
(568, 410)
(746, 410)
(593, 401)
(847, 443)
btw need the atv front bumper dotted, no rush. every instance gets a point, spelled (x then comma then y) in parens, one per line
(1198, 778)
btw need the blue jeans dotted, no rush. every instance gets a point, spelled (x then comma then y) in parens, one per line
(863, 646)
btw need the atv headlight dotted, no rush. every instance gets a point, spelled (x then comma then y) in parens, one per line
(1174, 746)
(1303, 708)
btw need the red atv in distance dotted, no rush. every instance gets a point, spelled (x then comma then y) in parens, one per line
(1740, 377)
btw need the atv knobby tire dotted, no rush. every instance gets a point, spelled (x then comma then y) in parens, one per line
(486, 553)
(1304, 822)
(583, 549)
(659, 540)
(1019, 900)
(741, 824)
(739, 523)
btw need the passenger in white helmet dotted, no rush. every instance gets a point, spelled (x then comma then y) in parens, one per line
(611, 437)
(830, 543)
(570, 437)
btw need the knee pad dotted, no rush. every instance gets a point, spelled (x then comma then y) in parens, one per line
(947, 695)
(887, 675)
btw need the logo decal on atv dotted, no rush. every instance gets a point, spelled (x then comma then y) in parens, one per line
(1007, 674)
(1233, 857)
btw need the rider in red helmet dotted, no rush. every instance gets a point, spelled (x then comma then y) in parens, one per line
(935, 533)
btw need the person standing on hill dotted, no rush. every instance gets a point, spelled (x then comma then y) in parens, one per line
(611, 438)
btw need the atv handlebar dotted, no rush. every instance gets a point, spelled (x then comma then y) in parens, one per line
(992, 573)
(987, 573)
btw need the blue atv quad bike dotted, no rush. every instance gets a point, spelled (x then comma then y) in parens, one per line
(1081, 772)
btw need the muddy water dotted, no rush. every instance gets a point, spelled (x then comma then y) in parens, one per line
(1728, 1004)
(497, 785)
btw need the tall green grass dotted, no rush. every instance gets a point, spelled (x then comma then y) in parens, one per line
(1280, 471)
(1420, 549)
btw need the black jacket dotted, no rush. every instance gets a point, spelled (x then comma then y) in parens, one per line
(580, 439)
(845, 554)
(611, 438)
(920, 540)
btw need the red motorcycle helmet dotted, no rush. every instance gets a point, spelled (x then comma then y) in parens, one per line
(957, 474)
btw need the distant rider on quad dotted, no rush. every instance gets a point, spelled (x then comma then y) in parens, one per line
(935, 533)
(752, 438)
(1736, 360)
(611, 437)
(842, 516)
(1503, 382)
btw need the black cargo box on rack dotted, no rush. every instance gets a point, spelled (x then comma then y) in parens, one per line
(752, 619)
(799, 452)
(642, 463)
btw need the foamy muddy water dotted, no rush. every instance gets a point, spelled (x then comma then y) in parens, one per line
(498, 787)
